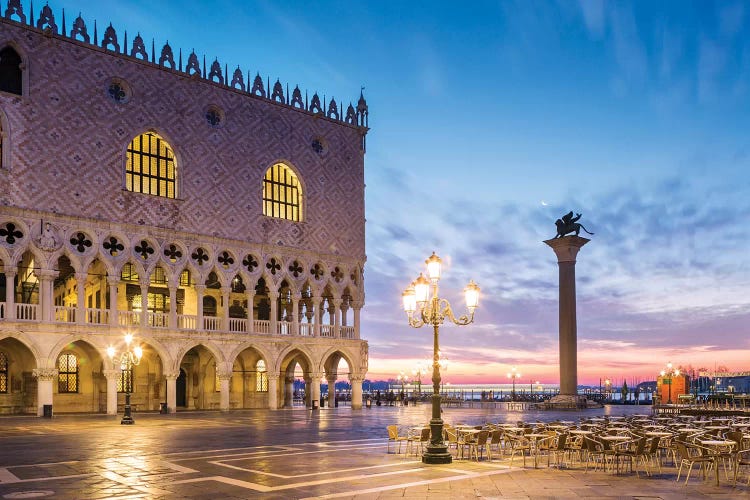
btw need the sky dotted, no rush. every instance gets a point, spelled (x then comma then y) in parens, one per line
(489, 120)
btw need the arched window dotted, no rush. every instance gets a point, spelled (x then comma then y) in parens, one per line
(150, 168)
(261, 376)
(282, 193)
(3, 372)
(11, 75)
(67, 368)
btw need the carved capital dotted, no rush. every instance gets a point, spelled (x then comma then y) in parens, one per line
(109, 374)
(273, 376)
(171, 376)
(222, 375)
(45, 374)
(113, 280)
(356, 379)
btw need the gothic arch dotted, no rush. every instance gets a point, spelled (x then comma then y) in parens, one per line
(329, 361)
(61, 345)
(259, 347)
(301, 192)
(24, 339)
(210, 346)
(283, 358)
(12, 86)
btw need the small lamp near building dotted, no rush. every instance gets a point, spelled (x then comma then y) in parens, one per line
(667, 376)
(129, 358)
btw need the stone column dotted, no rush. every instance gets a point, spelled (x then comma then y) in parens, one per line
(317, 303)
(331, 379)
(315, 387)
(113, 282)
(308, 391)
(566, 249)
(46, 304)
(345, 306)
(172, 391)
(274, 298)
(144, 305)
(337, 317)
(356, 383)
(112, 376)
(273, 391)
(81, 297)
(173, 307)
(295, 316)
(10, 292)
(45, 377)
(357, 307)
(224, 378)
(199, 290)
(250, 309)
(288, 391)
(225, 311)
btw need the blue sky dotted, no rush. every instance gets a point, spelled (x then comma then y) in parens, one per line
(490, 120)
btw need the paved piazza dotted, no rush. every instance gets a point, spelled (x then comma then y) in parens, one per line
(332, 453)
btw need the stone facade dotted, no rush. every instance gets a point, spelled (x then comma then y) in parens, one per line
(212, 289)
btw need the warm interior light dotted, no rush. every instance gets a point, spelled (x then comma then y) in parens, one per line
(410, 300)
(138, 351)
(421, 289)
(663, 373)
(111, 352)
(434, 264)
(128, 338)
(472, 295)
(676, 373)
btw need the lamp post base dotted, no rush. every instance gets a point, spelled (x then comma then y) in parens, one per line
(127, 418)
(437, 454)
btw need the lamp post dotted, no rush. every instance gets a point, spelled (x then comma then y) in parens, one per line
(421, 297)
(666, 376)
(128, 359)
(402, 380)
(418, 372)
(513, 374)
(607, 388)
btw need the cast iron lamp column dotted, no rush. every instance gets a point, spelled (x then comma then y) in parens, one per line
(431, 310)
(667, 375)
(128, 359)
(513, 374)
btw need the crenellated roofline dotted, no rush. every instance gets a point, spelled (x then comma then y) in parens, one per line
(240, 81)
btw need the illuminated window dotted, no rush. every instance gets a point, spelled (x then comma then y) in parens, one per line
(157, 303)
(185, 278)
(3, 372)
(261, 380)
(129, 273)
(159, 277)
(151, 167)
(11, 74)
(125, 380)
(282, 193)
(67, 368)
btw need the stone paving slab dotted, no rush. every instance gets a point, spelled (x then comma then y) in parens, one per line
(286, 454)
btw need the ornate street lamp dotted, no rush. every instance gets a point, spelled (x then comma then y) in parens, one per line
(421, 297)
(513, 374)
(666, 376)
(128, 359)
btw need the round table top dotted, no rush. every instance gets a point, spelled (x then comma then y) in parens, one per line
(658, 434)
(718, 442)
(614, 438)
(581, 431)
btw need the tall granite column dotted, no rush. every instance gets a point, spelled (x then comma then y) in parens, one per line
(566, 249)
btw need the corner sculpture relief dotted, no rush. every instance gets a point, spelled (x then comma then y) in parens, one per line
(569, 224)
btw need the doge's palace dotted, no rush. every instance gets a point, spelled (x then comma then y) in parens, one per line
(214, 215)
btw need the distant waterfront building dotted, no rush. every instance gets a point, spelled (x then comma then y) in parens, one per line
(216, 216)
(732, 382)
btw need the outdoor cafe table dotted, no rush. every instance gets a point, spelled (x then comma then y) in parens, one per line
(716, 427)
(658, 434)
(717, 446)
(581, 432)
(562, 426)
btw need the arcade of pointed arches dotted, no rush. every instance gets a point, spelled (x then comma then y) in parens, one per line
(81, 378)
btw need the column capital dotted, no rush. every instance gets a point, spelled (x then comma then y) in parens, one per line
(46, 274)
(199, 288)
(273, 376)
(356, 378)
(171, 376)
(337, 302)
(224, 375)
(297, 296)
(47, 374)
(273, 295)
(108, 374)
(81, 276)
(225, 290)
(113, 280)
(566, 248)
(289, 380)
(10, 270)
